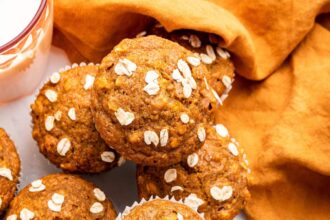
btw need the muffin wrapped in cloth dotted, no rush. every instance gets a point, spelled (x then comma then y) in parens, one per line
(283, 121)
(206, 50)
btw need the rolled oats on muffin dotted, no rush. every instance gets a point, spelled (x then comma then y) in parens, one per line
(206, 49)
(10, 166)
(63, 124)
(61, 196)
(215, 177)
(150, 104)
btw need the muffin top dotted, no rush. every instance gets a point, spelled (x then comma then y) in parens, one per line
(10, 167)
(206, 48)
(149, 104)
(60, 196)
(161, 209)
(63, 124)
(214, 178)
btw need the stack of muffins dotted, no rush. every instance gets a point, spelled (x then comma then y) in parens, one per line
(152, 100)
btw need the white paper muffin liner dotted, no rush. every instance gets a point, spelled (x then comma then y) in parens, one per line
(75, 65)
(128, 209)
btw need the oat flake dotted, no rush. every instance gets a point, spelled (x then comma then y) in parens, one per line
(195, 41)
(195, 61)
(233, 149)
(221, 130)
(89, 81)
(58, 115)
(184, 118)
(124, 118)
(99, 194)
(49, 123)
(12, 217)
(206, 83)
(176, 188)
(170, 175)
(226, 80)
(206, 59)
(96, 208)
(201, 134)
(37, 186)
(72, 114)
(151, 77)
(210, 52)
(176, 75)
(121, 161)
(63, 146)
(151, 137)
(26, 214)
(221, 194)
(108, 156)
(163, 137)
(5, 172)
(223, 97)
(192, 160)
(125, 67)
(51, 95)
(141, 34)
(152, 88)
(222, 53)
(58, 198)
(55, 203)
(187, 90)
(216, 96)
(54, 207)
(192, 82)
(179, 216)
(193, 201)
(184, 68)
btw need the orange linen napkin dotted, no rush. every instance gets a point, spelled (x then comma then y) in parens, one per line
(282, 121)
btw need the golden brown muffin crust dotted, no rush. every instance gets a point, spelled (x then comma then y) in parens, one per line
(151, 113)
(220, 72)
(9, 162)
(77, 202)
(162, 210)
(218, 177)
(64, 128)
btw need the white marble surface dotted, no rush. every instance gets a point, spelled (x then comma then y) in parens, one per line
(119, 183)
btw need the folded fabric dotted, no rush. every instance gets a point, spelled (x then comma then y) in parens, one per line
(283, 120)
(284, 124)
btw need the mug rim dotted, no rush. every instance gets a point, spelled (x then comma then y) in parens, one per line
(26, 30)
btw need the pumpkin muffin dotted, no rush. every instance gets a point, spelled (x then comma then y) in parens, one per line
(150, 104)
(161, 209)
(63, 124)
(10, 167)
(207, 50)
(215, 177)
(60, 196)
